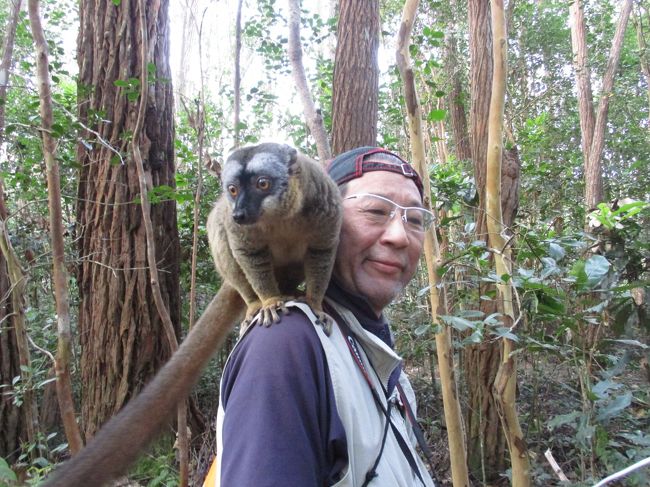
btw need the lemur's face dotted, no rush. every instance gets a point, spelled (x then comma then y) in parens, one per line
(256, 180)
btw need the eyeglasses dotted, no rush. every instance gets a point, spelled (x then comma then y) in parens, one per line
(378, 210)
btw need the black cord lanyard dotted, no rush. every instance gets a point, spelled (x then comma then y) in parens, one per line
(356, 356)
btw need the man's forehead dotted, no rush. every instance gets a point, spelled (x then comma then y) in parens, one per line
(393, 186)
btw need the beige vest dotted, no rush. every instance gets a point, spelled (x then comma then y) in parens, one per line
(362, 419)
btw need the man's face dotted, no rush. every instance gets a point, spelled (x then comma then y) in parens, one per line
(377, 261)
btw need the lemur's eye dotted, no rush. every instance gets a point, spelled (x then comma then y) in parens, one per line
(232, 189)
(264, 184)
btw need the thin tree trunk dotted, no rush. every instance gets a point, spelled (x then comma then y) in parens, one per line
(16, 422)
(144, 179)
(7, 58)
(313, 117)
(644, 56)
(60, 277)
(455, 101)
(19, 423)
(594, 192)
(453, 417)
(199, 127)
(186, 43)
(583, 76)
(486, 440)
(355, 92)
(237, 82)
(506, 380)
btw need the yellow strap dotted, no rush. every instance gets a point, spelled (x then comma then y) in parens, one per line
(211, 478)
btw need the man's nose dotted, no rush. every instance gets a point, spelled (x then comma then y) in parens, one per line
(395, 231)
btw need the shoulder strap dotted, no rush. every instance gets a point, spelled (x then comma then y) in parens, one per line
(353, 343)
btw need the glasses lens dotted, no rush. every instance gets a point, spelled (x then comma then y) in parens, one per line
(418, 219)
(376, 210)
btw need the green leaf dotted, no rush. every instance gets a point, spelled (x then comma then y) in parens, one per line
(460, 324)
(614, 407)
(120, 83)
(422, 329)
(436, 115)
(596, 268)
(602, 387)
(57, 130)
(578, 272)
(6, 474)
(117, 2)
(503, 332)
(471, 313)
(634, 343)
(556, 251)
(562, 419)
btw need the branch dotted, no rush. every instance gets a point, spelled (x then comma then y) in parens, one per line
(62, 364)
(313, 117)
(151, 244)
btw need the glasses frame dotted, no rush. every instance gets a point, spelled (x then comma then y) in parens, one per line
(395, 207)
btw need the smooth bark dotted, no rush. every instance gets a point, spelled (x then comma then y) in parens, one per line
(59, 273)
(313, 116)
(506, 380)
(485, 438)
(453, 417)
(593, 126)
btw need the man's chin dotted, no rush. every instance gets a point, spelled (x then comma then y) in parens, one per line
(380, 293)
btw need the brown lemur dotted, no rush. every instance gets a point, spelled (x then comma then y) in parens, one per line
(276, 225)
(289, 214)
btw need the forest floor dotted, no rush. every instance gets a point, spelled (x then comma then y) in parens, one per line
(548, 390)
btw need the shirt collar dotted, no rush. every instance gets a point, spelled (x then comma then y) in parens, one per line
(361, 309)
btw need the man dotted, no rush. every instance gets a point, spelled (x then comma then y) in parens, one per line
(300, 408)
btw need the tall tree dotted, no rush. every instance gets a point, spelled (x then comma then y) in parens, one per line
(485, 438)
(453, 418)
(456, 94)
(506, 381)
(313, 117)
(122, 335)
(355, 93)
(593, 127)
(59, 272)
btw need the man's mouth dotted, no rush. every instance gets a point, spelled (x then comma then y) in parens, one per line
(386, 266)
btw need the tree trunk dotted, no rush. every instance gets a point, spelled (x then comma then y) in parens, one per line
(237, 77)
(7, 59)
(594, 192)
(506, 380)
(453, 417)
(480, 38)
(313, 117)
(485, 439)
(644, 55)
(122, 335)
(355, 94)
(583, 76)
(455, 102)
(593, 128)
(17, 423)
(62, 364)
